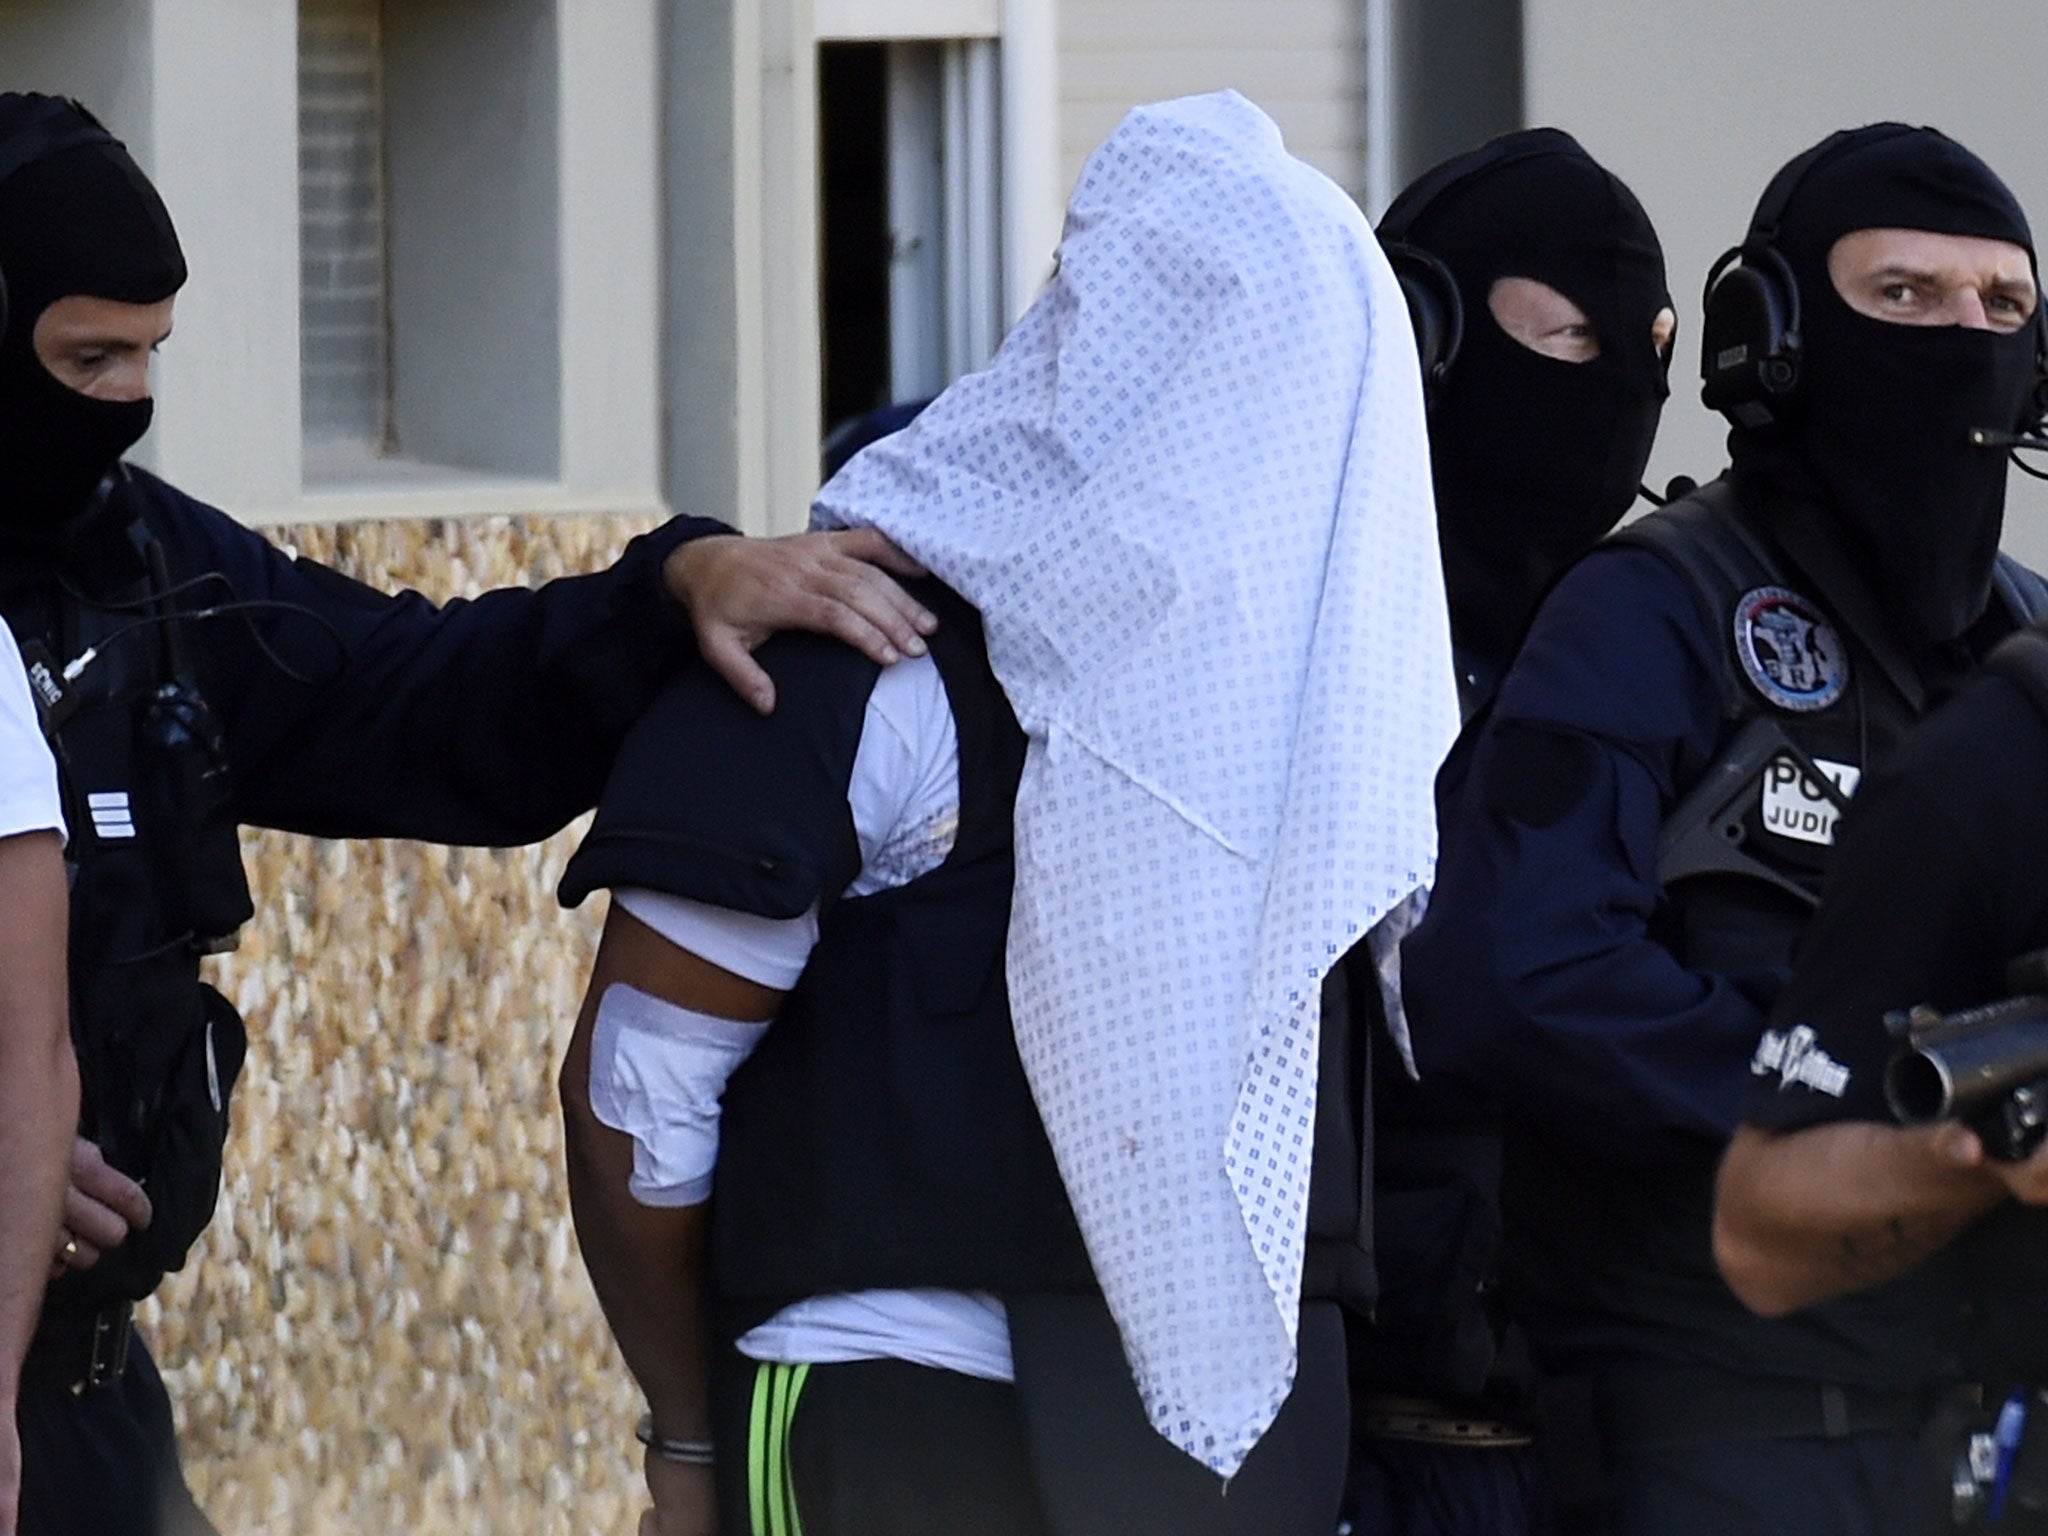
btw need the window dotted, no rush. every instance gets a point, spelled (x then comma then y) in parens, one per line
(430, 263)
(344, 314)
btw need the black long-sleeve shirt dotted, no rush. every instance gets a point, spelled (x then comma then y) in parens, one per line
(490, 720)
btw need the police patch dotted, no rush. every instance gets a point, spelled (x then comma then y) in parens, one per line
(1791, 655)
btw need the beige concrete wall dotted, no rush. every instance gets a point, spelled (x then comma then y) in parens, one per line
(1696, 105)
(1301, 60)
(387, 1327)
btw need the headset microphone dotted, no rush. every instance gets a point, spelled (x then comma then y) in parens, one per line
(2014, 444)
(1985, 437)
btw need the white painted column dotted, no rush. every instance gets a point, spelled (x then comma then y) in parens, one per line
(611, 250)
(1034, 198)
(780, 361)
(223, 149)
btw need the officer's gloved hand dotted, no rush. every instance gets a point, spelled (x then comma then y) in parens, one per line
(739, 591)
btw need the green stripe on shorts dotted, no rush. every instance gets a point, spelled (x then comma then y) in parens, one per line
(771, 1492)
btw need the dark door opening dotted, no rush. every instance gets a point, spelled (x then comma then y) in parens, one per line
(854, 243)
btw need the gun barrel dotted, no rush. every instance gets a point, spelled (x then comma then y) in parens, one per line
(1952, 1074)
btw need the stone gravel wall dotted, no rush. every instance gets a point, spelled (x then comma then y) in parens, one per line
(387, 1327)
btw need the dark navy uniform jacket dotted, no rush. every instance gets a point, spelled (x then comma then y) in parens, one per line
(1537, 976)
(1545, 979)
(489, 721)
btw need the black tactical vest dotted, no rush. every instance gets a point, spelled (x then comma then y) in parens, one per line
(883, 1134)
(156, 881)
(1808, 702)
(1612, 1262)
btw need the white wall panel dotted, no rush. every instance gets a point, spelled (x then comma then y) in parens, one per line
(1303, 61)
(224, 153)
(905, 20)
(1695, 106)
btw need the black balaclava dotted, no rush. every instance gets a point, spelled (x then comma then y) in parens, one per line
(1879, 428)
(80, 220)
(1535, 458)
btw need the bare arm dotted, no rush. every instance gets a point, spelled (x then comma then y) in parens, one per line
(739, 591)
(645, 1262)
(38, 1109)
(1802, 1216)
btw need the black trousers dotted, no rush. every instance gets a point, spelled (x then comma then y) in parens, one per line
(882, 1448)
(1872, 1484)
(872, 1448)
(103, 1462)
(1408, 1488)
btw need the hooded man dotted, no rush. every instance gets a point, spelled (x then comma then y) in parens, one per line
(1011, 1228)
(1936, 891)
(1536, 283)
(319, 705)
(1650, 812)
(1546, 326)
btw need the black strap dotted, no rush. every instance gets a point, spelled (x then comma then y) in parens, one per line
(1677, 1406)
(79, 1344)
(1703, 537)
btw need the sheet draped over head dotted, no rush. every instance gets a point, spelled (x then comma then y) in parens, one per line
(1191, 498)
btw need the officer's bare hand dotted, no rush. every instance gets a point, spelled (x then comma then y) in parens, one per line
(684, 1501)
(739, 591)
(1960, 1147)
(100, 1208)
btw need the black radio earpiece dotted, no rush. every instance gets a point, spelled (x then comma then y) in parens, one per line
(2036, 422)
(1435, 308)
(1751, 350)
(1750, 347)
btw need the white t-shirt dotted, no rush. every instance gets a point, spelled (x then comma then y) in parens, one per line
(28, 774)
(905, 798)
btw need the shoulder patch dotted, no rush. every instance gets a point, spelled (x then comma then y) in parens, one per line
(1789, 652)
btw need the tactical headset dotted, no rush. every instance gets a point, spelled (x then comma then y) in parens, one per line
(1751, 350)
(1434, 306)
(56, 123)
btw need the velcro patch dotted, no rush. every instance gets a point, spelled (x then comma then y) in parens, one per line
(1796, 807)
(1789, 652)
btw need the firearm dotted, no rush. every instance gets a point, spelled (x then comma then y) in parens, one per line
(1987, 1066)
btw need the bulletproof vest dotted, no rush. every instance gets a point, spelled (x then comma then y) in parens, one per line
(155, 873)
(1807, 702)
(883, 1134)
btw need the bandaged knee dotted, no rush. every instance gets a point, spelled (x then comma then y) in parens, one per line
(657, 1074)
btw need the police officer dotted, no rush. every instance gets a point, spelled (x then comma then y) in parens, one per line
(1937, 888)
(193, 678)
(1650, 812)
(1544, 326)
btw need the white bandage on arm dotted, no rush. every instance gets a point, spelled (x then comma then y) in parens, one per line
(657, 1072)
